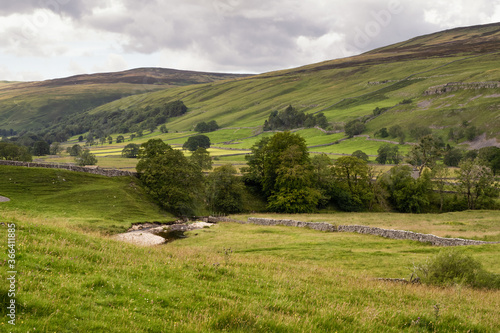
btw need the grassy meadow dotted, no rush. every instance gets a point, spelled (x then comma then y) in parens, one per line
(74, 277)
(224, 148)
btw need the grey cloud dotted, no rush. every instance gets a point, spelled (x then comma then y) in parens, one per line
(72, 8)
(257, 35)
(231, 31)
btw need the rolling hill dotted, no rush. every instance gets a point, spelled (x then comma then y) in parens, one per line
(443, 82)
(446, 78)
(35, 105)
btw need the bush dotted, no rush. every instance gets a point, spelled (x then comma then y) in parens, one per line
(354, 127)
(204, 127)
(455, 267)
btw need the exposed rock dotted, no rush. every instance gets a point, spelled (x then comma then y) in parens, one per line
(455, 86)
(147, 234)
(481, 142)
(140, 238)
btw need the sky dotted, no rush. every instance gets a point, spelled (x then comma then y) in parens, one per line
(45, 39)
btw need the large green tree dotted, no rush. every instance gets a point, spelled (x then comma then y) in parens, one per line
(172, 179)
(475, 181)
(41, 148)
(426, 153)
(74, 150)
(352, 189)
(354, 127)
(280, 167)
(197, 141)
(204, 127)
(388, 154)
(294, 191)
(225, 190)
(131, 150)
(407, 194)
(12, 152)
(201, 157)
(491, 155)
(452, 156)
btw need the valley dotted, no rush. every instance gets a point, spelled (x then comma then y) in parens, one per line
(425, 101)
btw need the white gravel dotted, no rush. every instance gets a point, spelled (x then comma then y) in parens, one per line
(140, 238)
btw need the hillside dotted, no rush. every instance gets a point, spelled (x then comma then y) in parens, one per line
(87, 201)
(72, 276)
(35, 105)
(447, 78)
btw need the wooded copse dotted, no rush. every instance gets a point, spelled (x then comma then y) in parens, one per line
(282, 174)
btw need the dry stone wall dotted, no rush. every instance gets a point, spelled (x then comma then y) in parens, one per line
(388, 233)
(403, 234)
(93, 170)
(217, 219)
(321, 226)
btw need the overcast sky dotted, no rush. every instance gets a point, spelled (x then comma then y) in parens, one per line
(43, 39)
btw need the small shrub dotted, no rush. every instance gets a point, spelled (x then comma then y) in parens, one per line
(455, 267)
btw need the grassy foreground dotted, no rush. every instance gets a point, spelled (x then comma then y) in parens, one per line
(72, 277)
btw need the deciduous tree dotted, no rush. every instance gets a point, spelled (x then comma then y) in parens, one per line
(174, 181)
(41, 148)
(197, 141)
(475, 182)
(86, 158)
(425, 153)
(352, 188)
(281, 168)
(201, 157)
(406, 194)
(225, 190)
(12, 152)
(131, 150)
(354, 127)
(388, 154)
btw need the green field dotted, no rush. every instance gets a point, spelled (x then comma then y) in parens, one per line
(73, 277)
(84, 200)
(108, 155)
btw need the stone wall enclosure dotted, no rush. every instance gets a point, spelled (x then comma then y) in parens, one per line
(93, 170)
(387, 233)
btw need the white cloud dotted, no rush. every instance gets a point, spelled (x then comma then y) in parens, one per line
(213, 35)
(114, 63)
(323, 48)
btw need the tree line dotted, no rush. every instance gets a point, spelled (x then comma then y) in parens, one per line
(291, 118)
(282, 174)
(99, 126)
